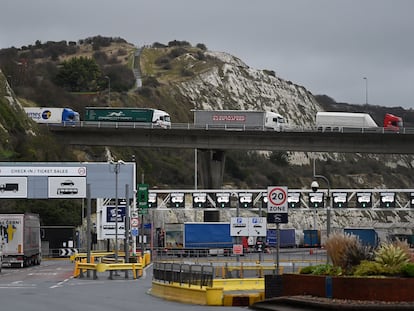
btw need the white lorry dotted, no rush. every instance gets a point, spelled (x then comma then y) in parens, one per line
(239, 120)
(22, 245)
(52, 115)
(332, 121)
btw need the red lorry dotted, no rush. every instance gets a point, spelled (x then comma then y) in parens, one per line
(392, 122)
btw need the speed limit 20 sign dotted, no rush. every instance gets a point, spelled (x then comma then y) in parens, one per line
(277, 199)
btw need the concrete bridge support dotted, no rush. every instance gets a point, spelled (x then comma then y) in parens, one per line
(211, 168)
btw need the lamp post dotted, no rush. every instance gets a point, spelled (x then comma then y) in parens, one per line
(315, 187)
(366, 90)
(116, 171)
(109, 90)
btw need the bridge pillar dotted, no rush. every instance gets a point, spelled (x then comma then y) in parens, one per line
(211, 167)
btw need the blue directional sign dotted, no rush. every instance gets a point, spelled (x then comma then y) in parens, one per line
(134, 231)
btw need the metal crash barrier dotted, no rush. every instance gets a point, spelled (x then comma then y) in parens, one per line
(99, 263)
(200, 275)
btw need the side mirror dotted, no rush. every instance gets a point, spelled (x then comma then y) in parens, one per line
(314, 186)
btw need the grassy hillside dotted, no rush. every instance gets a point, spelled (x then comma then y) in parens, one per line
(31, 72)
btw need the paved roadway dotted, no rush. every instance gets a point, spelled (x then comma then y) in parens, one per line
(51, 286)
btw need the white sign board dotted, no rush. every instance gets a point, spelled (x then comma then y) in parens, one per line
(106, 221)
(42, 171)
(13, 187)
(257, 226)
(67, 187)
(277, 199)
(239, 226)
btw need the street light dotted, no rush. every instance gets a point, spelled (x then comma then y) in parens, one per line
(109, 90)
(116, 171)
(315, 187)
(366, 90)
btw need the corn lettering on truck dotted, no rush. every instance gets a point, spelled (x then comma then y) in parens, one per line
(22, 245)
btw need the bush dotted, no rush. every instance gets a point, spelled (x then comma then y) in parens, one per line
(408, 269)
(346, 251)
(324, 269)
(391, 255)
(307, 270)
(366, 268)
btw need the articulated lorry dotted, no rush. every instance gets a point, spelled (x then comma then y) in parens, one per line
(198, 238)
(151, 116)
(239, 120)
(337, 121)
(47, 115)
(22, 244)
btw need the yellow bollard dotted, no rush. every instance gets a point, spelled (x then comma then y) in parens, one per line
(76, 271)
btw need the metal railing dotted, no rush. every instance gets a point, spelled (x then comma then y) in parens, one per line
(232, 127)
(191, 274)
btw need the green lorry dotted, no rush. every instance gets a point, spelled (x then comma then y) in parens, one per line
(138, 115)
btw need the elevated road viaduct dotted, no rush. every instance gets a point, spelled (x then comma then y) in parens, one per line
(212, 143)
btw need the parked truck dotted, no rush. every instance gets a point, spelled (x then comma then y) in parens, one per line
(151, 116)
(239, 120)
(22, 244)
(287, 238)
(52, 115)
(213, 237)
(338, 121)
(367, 236)
(311, 238)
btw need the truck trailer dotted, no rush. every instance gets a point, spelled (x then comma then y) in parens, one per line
(287, 238)
(338, 121)
(47, 115)
(367, 236)
(213, 237)
(155, 117)
(22, 244)
(311, 238)
(239, 120)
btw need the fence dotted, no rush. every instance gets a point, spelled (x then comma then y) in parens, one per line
(201, 275)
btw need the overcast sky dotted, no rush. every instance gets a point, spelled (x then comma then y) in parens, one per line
(327, 46)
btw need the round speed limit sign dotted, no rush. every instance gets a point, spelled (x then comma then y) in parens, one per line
(277, 199)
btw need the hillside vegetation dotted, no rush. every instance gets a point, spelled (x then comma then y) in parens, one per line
(176, 77)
